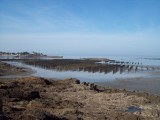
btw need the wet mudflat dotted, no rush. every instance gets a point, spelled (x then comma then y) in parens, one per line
(39, 98)
(138, 84)
(112, 74)
(89, 65)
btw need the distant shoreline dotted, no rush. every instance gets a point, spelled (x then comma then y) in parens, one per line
(27, 57)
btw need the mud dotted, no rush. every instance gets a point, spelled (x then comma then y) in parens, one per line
(39, 98)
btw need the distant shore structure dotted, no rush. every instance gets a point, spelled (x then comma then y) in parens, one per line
(26, 55)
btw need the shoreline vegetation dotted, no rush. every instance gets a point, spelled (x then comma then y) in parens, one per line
(40, 98)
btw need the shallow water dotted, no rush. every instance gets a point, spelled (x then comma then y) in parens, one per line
(153, 61)
(141, 80)
(133, 109)
(84, 76)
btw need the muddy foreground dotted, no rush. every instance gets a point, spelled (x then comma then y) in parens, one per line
(31, 98)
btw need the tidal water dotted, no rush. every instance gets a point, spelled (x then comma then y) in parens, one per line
(151, 61)
(147, 80)
(84, 76)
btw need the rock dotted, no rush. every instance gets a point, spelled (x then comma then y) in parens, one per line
(24, 95)
(31, 98)
(39, 115)
(85, 83)
(32, 95)
(3, 86)
(72, 81)
(3, 92)
(47, 82)
(77, 81)
(1, 112)
(91, 86)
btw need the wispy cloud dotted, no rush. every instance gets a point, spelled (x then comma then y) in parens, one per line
(42, 19)
(80, 26)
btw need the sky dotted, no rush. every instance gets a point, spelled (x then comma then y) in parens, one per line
(81, 27)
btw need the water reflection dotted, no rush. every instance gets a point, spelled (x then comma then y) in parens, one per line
(90, 65)
(85, 74)
(100, 68)
(140, 77)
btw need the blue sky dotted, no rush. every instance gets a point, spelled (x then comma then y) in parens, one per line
(81, 27)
